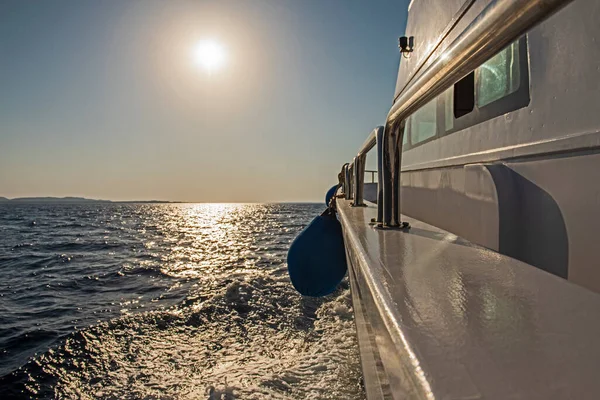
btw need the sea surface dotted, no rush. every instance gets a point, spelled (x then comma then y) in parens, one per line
(166, 301)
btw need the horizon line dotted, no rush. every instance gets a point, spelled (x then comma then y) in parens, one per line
(86, 199)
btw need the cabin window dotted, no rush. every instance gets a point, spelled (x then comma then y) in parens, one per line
(423, 125)
(499, 76)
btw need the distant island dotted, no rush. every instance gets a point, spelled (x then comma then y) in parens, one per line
(71, 200)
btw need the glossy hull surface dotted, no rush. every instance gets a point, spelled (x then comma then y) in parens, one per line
(440, 317)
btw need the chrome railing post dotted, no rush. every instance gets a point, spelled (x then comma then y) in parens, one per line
(398, 137)
(359, 180)
(350, 181)
(346, 187)
(379, 141)
(388, 158)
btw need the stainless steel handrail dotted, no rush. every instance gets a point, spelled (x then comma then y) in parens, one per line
(498, 25)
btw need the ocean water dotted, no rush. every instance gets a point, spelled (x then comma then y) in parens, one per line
(166, 301)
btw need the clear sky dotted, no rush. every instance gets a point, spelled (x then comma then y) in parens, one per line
(104, 98)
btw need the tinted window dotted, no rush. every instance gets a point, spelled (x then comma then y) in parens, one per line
(423, 123)
(499, 76)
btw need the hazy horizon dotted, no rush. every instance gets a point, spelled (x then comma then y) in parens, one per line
(191, 101)
(86, 199)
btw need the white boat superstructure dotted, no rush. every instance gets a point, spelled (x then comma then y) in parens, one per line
(474, 274)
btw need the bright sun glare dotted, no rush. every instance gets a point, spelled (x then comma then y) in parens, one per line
(210, 55)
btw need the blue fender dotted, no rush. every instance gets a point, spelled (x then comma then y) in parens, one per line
(317, 257)
(330, 194)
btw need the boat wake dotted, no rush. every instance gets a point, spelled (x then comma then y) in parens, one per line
(253, 338)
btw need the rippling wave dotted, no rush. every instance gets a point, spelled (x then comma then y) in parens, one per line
(166, 301)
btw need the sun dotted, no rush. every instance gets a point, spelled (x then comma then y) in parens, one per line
(210, 55)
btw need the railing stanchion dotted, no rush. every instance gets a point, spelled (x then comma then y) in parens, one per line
(379, 140)
(359, 180)
(348, 177)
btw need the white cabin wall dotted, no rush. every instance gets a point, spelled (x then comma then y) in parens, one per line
(553, 198)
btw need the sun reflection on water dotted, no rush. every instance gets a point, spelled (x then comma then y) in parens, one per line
(211, 237)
